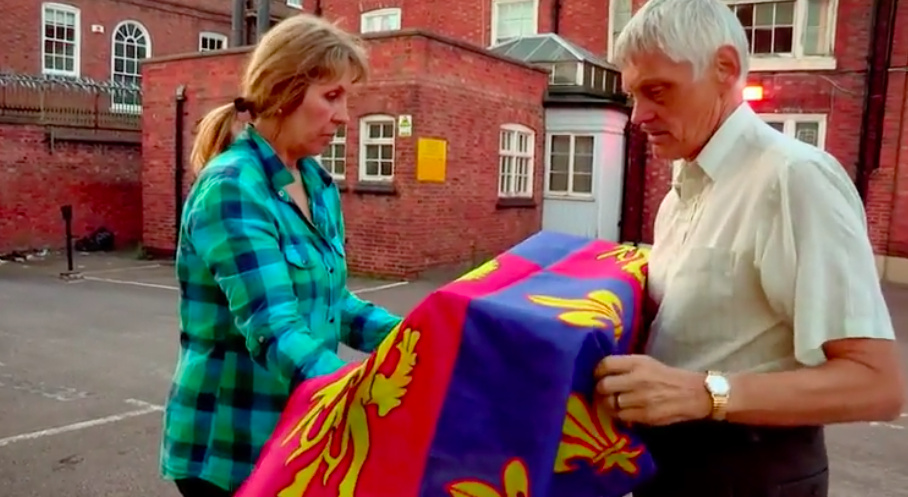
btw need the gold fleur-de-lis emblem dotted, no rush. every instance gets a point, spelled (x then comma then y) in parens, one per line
(334, 433)
(480, 272)
(515, 482)
(590, 436)
(600, 309)
(629, 258)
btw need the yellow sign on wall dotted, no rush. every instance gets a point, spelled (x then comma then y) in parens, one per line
(431, 160)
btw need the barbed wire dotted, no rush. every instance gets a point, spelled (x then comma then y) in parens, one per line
(38, 81)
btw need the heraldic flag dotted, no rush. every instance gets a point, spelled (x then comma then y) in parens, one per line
(485, 389)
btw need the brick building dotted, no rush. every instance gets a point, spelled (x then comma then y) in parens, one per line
(412, 200)
(69, 113)
(825, 71)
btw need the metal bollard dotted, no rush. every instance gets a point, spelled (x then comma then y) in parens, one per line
(67, 212)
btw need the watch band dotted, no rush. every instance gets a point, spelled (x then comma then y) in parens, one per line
(719, 398)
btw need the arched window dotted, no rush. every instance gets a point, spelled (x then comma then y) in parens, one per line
(131, 44)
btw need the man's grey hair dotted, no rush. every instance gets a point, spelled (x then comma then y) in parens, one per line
(685, 31)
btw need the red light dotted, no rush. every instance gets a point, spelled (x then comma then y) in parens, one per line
(753, 93)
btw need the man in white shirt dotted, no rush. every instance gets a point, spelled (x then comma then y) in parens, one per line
(771, 321)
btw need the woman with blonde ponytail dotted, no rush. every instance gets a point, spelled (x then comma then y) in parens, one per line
(215, 133)
(261, 261)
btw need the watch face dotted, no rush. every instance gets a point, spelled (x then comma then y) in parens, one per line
(717, 385)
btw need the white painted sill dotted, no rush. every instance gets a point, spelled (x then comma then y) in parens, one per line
(785, 64)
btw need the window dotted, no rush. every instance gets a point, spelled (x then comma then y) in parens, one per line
(212, 41)
(296, 4)
(60, 39)
(380, 20)
(809, 128)
(131, 44)
(788, 34)
(515, 162)
(513, 18)
(334, 158)
(571, 165)
(620, 13)
(376, 148)
(565, 73)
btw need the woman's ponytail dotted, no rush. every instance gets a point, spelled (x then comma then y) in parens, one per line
(214, 136)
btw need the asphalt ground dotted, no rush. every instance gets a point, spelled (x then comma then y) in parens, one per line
(85, 366)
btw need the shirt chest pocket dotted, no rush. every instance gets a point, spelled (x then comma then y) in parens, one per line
(307, 273)
(703, 283)
(298, 256)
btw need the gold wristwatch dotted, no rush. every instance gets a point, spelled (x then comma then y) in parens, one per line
(719, 389)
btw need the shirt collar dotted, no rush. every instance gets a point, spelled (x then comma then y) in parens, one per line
(311, 173)
(716, 157)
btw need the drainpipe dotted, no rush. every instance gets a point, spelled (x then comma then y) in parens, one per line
(318, 8)
(262, 19)
(876, 87)
(896, 183)
(556, 16)
(178, 170)
(625, 168)
(642, 146)
(238, 23)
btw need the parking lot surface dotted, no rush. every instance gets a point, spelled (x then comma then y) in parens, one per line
(85, 366)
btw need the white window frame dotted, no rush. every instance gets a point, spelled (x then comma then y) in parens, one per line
(570, 193)
(789, 121)
(127, 108)
(77, 42)
(797, 61)
(364, 141)
(612, 15)
(496, 5)
(337, 140)
(211, 35)
(296, 4)
(394, 12)
(517, 129)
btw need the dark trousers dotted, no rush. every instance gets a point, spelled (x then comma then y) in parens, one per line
(708, 459)
(194, 487)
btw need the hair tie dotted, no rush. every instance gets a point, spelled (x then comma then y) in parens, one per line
(241, 105)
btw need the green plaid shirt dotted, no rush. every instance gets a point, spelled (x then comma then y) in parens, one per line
(263, 306)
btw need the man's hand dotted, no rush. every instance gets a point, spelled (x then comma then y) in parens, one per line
(640, 389)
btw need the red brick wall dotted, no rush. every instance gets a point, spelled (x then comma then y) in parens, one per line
(101, 182)
(203, 92)
(173, 25)
(888, 200)
(583, 21)
(442, 85)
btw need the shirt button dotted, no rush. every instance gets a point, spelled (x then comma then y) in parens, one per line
(281, 194)
(261, 339)
(331, 320)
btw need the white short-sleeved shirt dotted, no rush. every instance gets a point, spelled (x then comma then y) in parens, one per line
(760, 256)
